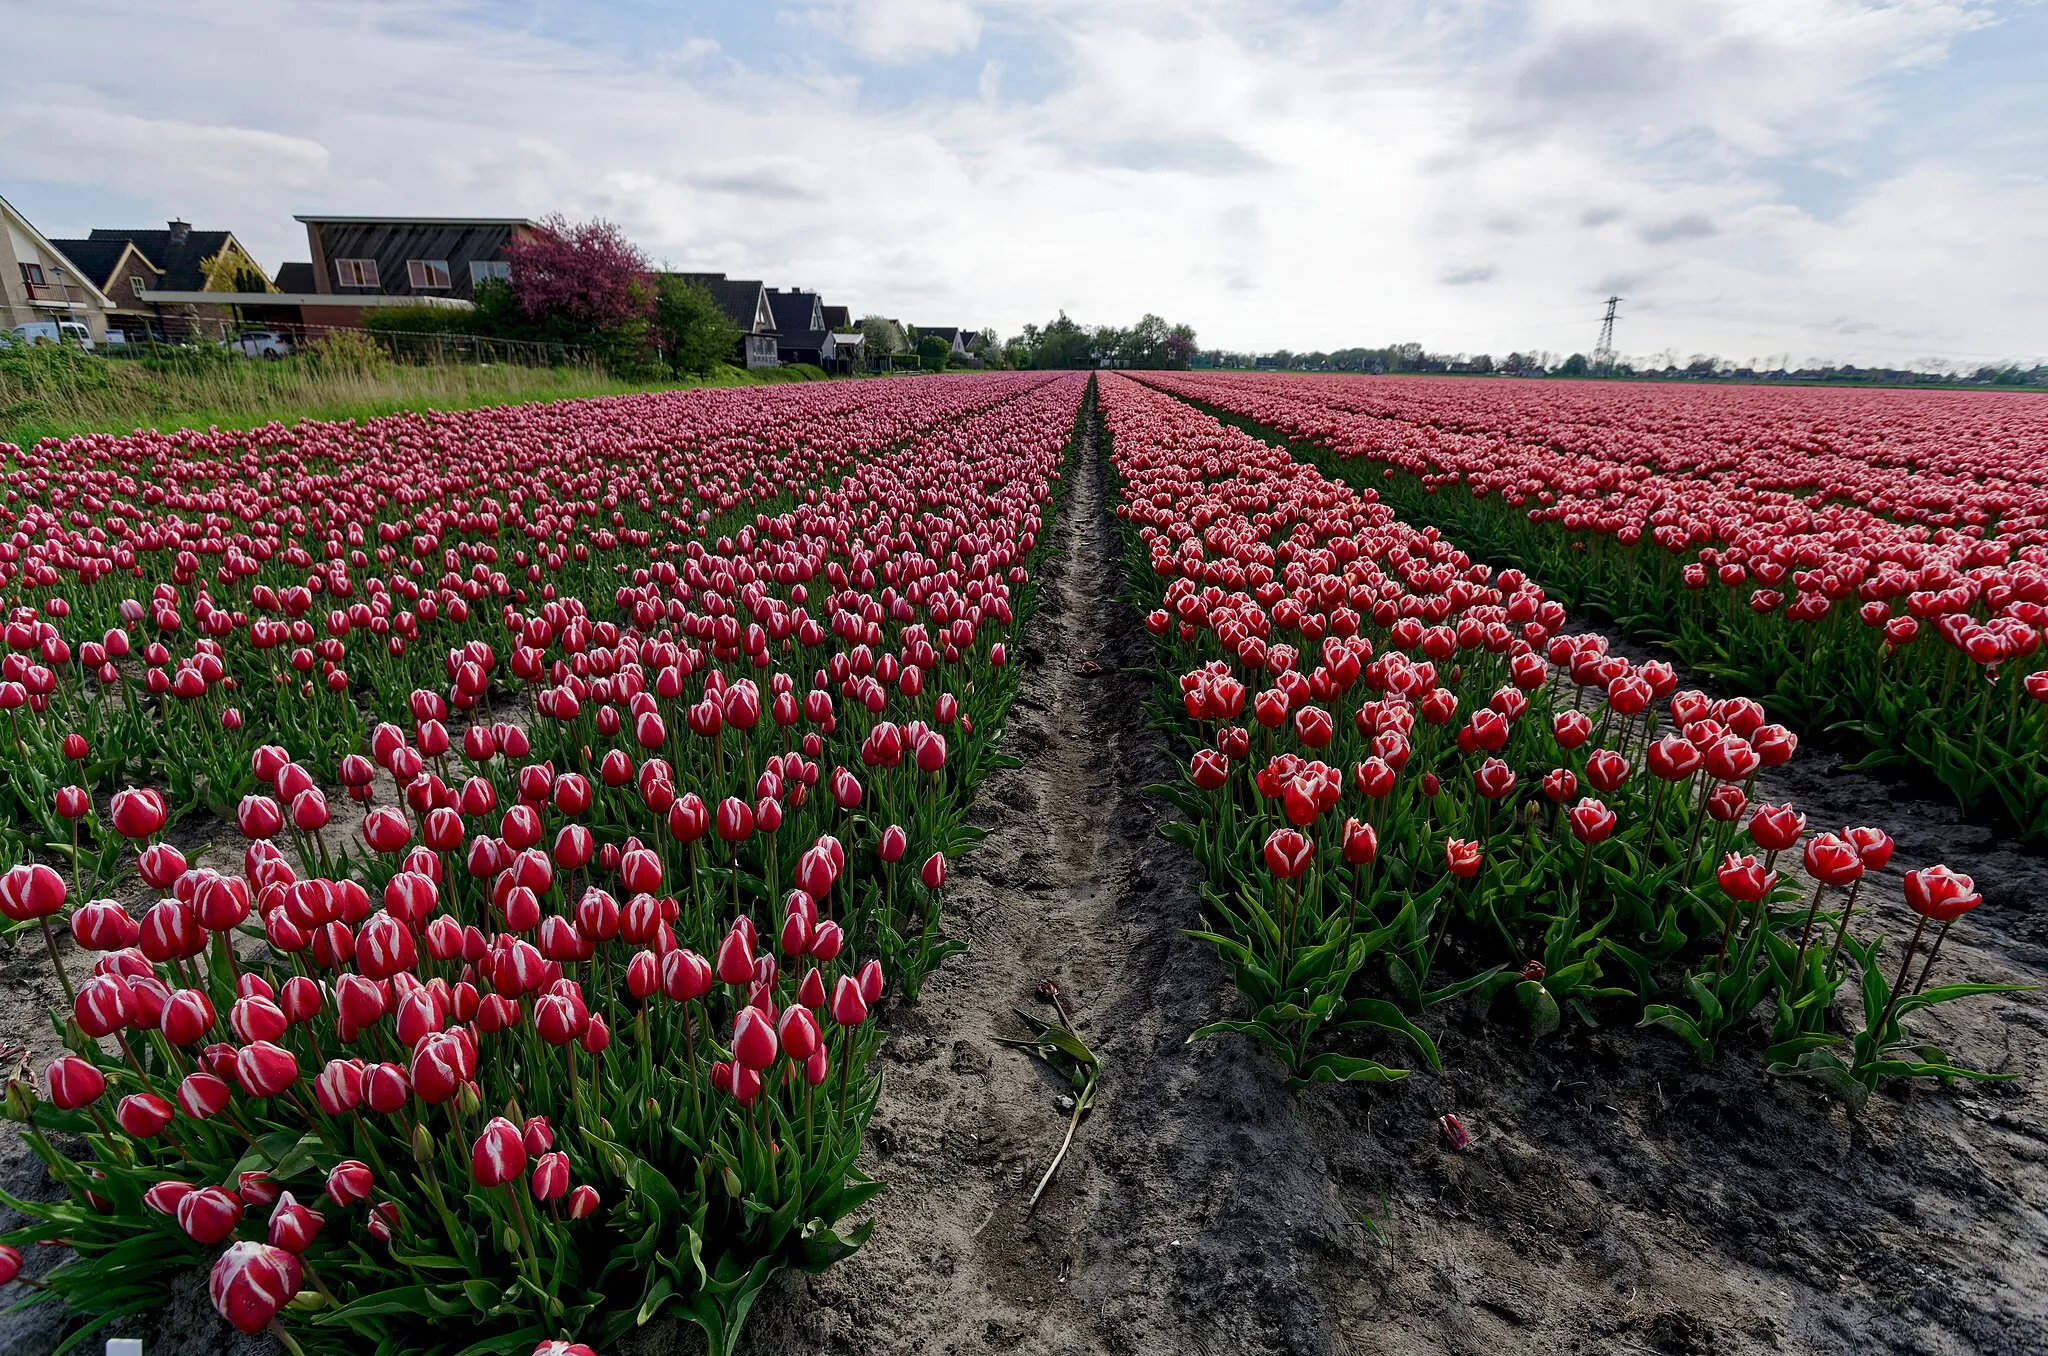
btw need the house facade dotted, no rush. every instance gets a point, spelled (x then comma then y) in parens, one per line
(800, 333)
(39, 282)
(130, 266)
(361, 263)
(745, 303)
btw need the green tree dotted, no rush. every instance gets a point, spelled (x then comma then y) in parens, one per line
(931, 353)
(694, 334)
(1574, 366)
(881, 339)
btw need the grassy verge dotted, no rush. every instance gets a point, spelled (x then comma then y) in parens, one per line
(47, 392)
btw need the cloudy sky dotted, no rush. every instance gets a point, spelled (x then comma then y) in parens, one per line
(1864, 180)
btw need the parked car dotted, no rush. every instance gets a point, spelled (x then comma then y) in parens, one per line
(54, 332)
(262, 344)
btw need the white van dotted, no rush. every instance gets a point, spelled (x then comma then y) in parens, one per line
(55, 332)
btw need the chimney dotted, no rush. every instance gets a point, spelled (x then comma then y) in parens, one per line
(179, 230)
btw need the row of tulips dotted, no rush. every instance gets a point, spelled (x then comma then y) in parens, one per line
(501, 1035)
(1408, 782)
(1872, 563)
(174, 600)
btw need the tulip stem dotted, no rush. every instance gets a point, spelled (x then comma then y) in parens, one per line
(513, 1191)
(1450, 906)
(1933, 954)
(1798, 975)
(1727, 933)
(1842, 927)
(56, 963)
(1877, 1028)
(285, 1339)
(76, 888)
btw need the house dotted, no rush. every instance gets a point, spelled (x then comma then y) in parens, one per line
(847, 345)
(838, 319)
(440, 257)
(956, 339)
(745, 303)
(39, 282)
(800, 333)
(361, 264)
(130, 265)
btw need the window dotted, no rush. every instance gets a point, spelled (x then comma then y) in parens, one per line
(32, 274)
(355, 272)
(489, 270)
(427, 272)
(136, 285)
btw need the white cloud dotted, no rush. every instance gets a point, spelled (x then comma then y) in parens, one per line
(63, 136)
(906, 30)
(1474, 174)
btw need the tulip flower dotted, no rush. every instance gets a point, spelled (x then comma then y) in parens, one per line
(1361, 843)
(202, 1096)
(73, 1082)
(1776, 827)
(209, 1214)
(138, 813)
(144, 1114)
(1592, 822)
(753, 1039)
(348, 1182)
(293, 1227)
(550, 1181)
(264, 1069)
(251, 1282)
(499, 1154)
(1940, 894)
(1606, 770)
(1288, 854)
(849, 1007)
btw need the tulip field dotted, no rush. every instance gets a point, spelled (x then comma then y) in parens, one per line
(593, 771)
(478, 852)
(1411, 781)
(1874, 564)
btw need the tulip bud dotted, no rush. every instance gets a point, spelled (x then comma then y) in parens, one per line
(144, 1114)
(73, 1082)
(499, 1155)
(209, 1214)
(349, 1182)
(753, 1040)
(849, 1008)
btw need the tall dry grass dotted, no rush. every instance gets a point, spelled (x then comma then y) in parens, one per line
(56, 392)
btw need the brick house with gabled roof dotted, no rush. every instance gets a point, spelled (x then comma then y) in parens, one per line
(127, 264)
